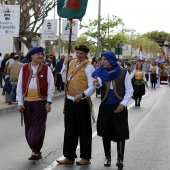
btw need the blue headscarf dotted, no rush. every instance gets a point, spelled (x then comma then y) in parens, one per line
(103, 73)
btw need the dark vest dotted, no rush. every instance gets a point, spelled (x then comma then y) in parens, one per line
(42, 83)
(118, 86)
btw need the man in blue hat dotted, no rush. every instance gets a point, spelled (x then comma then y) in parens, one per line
(34, 94)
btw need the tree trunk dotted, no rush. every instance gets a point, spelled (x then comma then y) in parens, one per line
(16, 43)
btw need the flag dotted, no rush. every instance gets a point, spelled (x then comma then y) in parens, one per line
(140, 53)
(71, 9)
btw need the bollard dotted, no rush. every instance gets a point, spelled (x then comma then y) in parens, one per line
(6, 97)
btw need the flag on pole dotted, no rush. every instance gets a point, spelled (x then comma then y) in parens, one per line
(71, 9)
(140, 53)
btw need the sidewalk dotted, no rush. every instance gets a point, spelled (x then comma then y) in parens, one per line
(4, 107)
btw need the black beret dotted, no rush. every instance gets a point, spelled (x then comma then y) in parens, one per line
(82, 47)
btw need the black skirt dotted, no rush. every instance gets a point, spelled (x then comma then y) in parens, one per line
(153, 78)
(139, 90)
(113, 126)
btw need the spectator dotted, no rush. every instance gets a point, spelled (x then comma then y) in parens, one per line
(59, 82)
(94, 62)
(21, 56)
(26, 59)
(3, 63)
(13, 72)
(1, 58)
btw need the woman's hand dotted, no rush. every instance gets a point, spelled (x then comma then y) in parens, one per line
(96, 81)
(119, 108)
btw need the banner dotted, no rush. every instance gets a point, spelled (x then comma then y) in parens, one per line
(66, 31)
(49, 29)
(127, 49)
(71, 9)
(9, 20)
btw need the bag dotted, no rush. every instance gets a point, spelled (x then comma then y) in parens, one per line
(6, 68)
(71, 9)
(7, 86)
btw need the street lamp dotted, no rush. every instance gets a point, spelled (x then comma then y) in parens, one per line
(98, 34)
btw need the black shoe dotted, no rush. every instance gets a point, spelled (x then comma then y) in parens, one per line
(34, 157)
(119, 164)
(3, 93)
(107, 161)
(138, 104)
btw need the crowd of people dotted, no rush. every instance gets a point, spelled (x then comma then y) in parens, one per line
(31, 82)
(11, 64)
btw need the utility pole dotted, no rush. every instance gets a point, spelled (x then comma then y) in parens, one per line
(108, 26)
(59, 37)
(98, 34)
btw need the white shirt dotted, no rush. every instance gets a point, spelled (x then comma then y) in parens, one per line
(89, 69)
(33, 85)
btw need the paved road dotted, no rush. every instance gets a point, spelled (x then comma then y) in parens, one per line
(147, 149)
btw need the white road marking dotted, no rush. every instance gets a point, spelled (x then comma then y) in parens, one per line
(55, 163)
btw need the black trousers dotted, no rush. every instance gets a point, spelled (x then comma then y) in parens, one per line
(1, 78)
(59, 83)
(77, 126)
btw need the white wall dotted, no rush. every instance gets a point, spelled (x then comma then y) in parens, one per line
(6, 45)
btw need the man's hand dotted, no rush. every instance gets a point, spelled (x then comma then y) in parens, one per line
(20, 108)
(77, 98)
(67, 59)
(119, 108)
(48, 107)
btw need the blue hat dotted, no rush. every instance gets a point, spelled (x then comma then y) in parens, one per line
(35, 50)
(111, 57)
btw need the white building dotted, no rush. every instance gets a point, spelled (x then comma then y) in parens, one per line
(7, 45)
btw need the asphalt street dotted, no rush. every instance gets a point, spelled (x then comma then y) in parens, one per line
(147, 149)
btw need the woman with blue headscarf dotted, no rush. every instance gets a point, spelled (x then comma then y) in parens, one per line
(116, 91)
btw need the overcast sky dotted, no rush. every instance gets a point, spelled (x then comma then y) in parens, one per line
(142, 16)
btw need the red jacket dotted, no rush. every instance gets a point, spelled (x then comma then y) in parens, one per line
(42, 83)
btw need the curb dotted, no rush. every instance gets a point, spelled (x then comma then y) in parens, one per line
(11, 108)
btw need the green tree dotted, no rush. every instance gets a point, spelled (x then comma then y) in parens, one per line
(148, 45)
(91, 44)
(108, 35)
(157, 35)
